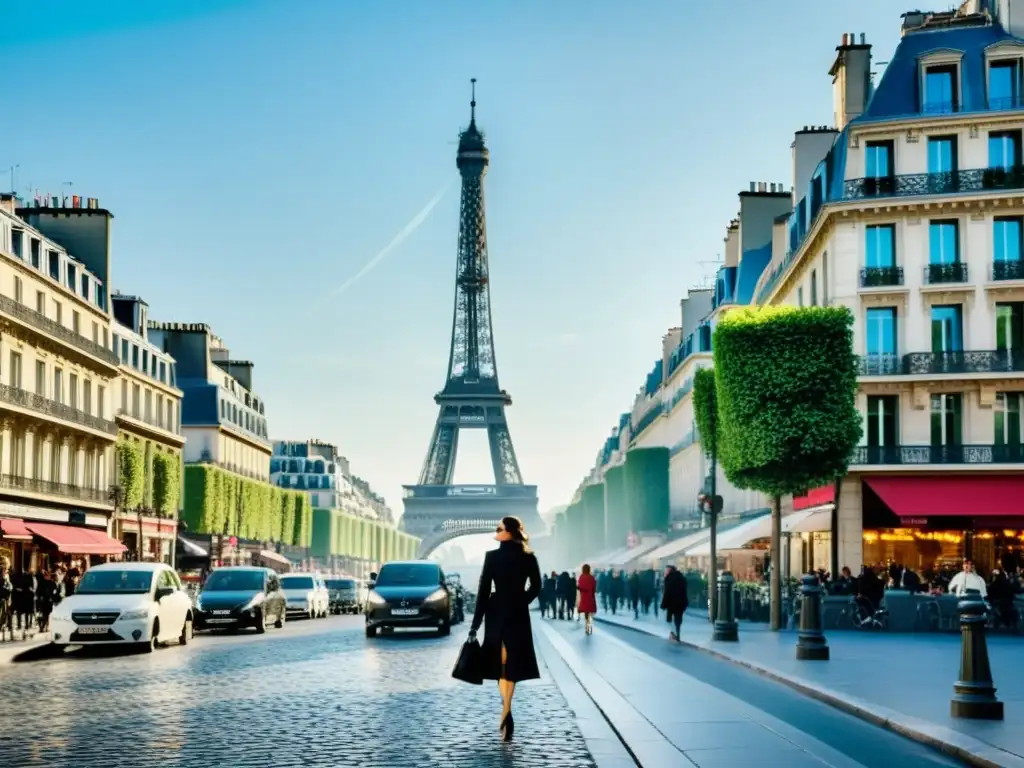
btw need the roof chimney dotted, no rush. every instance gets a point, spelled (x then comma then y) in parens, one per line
(851, 79)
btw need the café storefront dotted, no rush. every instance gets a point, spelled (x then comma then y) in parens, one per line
(931, 523)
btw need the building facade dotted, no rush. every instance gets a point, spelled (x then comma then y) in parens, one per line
(58, 373)
(148, 414)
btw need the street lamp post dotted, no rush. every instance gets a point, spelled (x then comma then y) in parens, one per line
(115, 495)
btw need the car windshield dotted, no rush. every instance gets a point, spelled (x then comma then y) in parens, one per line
(341, 584)
(409, 575)
(234, 581)
(296, 582)
(125, 582)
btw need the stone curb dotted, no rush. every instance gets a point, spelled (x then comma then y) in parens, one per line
(967, 748)
(24, 650)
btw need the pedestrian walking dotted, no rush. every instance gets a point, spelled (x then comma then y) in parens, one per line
(587, 585)
(674, 599)
(633, 586)
(23, 601)
(507, 648)
(571, 596)
(6, 592)
(617, 590)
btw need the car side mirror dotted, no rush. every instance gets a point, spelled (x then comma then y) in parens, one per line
(162, 592)
(373, 576)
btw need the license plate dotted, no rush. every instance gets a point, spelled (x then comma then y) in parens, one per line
(219, 621)
(92, 630)
(404, 611)
(221, 613)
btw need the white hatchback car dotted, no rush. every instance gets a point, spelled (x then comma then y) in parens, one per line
(306, 594)
(141, 604)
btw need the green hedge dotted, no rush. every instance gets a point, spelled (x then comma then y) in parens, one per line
(616, 507)
(131, 474)
(786, 382)
(251, 509)
(166, 483)
(704, 410)
(647, 489)
(593, 520)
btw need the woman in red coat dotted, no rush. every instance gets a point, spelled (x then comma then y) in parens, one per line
(587, 586)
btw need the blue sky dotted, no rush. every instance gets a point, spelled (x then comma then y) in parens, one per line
(259, 154)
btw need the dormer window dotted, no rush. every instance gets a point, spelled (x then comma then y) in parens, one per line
(1004, 84)
(941, 89)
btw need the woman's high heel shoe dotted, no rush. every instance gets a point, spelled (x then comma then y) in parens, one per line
(508, 727)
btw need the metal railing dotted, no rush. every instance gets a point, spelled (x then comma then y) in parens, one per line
(32, 485)
(928, 363)
(951, 182)
(938, 454)
(158, 423)
(52, 327)
(1008, 270)
(879, 277)
(45, 406)
(935, 274)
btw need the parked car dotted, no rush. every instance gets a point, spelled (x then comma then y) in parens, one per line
(343, 595)
(141, 604)
(409, 594)
(237, 597)
(306, 594)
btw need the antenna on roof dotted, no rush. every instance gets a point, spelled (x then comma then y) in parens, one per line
(707, 279)
(472, 102)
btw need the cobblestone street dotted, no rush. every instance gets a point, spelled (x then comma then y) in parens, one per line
(314, 694)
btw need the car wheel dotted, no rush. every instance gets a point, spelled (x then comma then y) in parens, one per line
(280, 619)
(261, 623)
(371, 631)
(154, 641)
(186, 631)
(445, 629)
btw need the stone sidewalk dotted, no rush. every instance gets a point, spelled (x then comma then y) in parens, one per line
(903, 682)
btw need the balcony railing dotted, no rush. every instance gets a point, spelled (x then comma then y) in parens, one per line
(40, 404)
(938, 454)
(935, 274)
(31, 485)
(928, 363)
(158, 423)
(879, 277)
(45, 324)
(953, 182)
(1008, 270)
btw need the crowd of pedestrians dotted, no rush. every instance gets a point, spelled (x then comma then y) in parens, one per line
(27, 598)
(564, 596)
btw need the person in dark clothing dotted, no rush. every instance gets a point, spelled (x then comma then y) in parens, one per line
(6, 610)
(845, 584)
(548, 597)
(615, 591)
(49, 593)
(562, 588)
(633, 587)
(604, 587)
(23, 602)
(507, 648)
(674, 599)
(647, 590)
(571, 595)
(870, 591)
(1000, 595)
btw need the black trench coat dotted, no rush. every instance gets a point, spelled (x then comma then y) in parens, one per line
(505, 612)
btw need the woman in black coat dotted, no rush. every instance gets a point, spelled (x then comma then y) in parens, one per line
(508, 654)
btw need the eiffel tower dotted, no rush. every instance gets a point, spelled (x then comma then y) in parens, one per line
(436, 510)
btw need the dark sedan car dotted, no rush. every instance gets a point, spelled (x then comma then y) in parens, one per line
(409, 594)
(344, 595)
(237, 597)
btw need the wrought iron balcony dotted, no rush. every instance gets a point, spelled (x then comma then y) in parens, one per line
(158, 423)
(954, 182)
(32, 485)
(53, 328)
(40, 404)
(1008, 270)
(935, 274)
(879, 277)
(938, 454)
(928, 363)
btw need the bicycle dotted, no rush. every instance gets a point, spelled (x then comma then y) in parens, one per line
(861, 614)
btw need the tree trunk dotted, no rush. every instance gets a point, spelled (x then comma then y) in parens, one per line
(713, 568)
(834, 542)
(775, 584)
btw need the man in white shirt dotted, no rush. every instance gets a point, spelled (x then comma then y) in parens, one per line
(967, 579)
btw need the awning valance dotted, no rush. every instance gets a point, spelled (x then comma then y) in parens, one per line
(676, 547)
(758, 528)
(816, 497)
(951, 495)
(14, 529)
(77, 541)
(272, 557)
(191, 549)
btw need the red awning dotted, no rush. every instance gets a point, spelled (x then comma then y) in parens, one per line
(13, 529)
(77, 541)
(951, 495)
(815, 498)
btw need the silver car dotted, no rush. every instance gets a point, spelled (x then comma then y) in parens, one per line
(306, 595)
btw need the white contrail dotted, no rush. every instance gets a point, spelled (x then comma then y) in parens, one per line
(396, 241)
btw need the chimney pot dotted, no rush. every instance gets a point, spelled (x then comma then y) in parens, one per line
(753, 186)
(863, 38)
(844, 39)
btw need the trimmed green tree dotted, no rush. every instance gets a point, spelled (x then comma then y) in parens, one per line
(705, 414)
(166, 483)
(131, 474)
(786, 383)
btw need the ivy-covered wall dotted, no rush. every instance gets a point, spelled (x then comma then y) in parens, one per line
(131, 473)
(647, 489)
(216, 501)
(336, 533)
(166, 474)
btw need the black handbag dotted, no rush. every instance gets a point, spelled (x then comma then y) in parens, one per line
(470, 664)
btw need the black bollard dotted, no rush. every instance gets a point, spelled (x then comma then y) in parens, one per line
(726, 628)
(811, 644)
(974, 696)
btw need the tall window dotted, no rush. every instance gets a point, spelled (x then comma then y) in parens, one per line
(814, 287)
(942, 154)
(58, 385)
(1010, 327)
(40, 378)
(149, 406)
(87, 396)
(1004, 149)
(880, 329)
(54, 263)
(1004, 84)
(883, 420)
(947, 328)
(943, 242)
(136, 397)
(947, 414)
(800, 296)
(1006, 238)
(73, 391)
(824, 278)
(1007, 418)
(879, 160)
(101, 402)
(881, 246)
(940, 89)
(17, 290)
(41, 303)
(34, 252)
(124, 396)
(14, 372)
